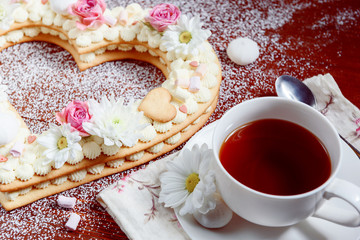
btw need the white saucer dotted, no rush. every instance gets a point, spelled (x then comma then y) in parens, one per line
(310, 229)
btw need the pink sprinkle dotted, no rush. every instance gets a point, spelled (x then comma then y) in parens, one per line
(182, 82)
(3, 158)
(357, 121)
(183, 109)
(195, 84)
(31, 139)
(44, 1)
(134, 23)
(73, 222)
(66, 202)
(194, 63)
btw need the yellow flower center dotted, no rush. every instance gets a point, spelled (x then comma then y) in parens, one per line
(191, 181)
(62, 143)
(117, 121)
(185, 37)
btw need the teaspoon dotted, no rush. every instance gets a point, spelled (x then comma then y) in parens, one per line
(292, 88)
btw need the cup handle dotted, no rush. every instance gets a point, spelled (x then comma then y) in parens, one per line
(348, 192)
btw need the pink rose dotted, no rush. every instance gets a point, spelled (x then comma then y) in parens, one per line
(90, 13)
(163, 15)
(75, 113)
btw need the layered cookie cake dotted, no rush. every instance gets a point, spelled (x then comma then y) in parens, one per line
(99, 137)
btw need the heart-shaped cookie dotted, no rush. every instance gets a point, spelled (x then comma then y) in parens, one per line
(156, 105)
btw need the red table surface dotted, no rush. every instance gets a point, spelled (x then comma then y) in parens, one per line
(298, 38)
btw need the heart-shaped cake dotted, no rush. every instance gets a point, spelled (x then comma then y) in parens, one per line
(96, 138)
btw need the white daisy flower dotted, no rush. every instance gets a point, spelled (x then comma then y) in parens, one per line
(61, 144)
(6, 10)
(189, 183)
(116, 123)
(185, 37)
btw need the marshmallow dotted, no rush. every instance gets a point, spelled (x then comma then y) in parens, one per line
(123, 17)
(243, 51)
(73, 222)
(182, 82)
(195, 84)
(17, 149)
(66, 202)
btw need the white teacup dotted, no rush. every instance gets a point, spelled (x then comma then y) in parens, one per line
(273, 210)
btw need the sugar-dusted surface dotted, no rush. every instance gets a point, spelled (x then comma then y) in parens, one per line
(301, 38)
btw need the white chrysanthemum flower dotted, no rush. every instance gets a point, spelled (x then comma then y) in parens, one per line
(116, 123)
(185, 37)
(61, 144)
(6, 10)
(189, 183)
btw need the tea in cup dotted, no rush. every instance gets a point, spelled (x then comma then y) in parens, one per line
(277, 161)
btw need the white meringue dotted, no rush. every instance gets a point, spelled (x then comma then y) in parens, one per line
(9, 127)
(216, 218)
(61, 7)
(243, 51)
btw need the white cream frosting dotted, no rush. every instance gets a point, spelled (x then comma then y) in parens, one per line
(24, 190)
(162, 127)
(88, 57)
(79, 156)
(135, 156)
(24, 172)
(186, 129)
(32, 32)
(203, 95)
(109, 150)
(174, 139)
(78, 176)
(115, 163)
(148, 134)
(141, 48)
(91, 150)
(42, 185)
(97, 169)
(41, 169)
(209, 81)
(180, 116)
(11, 196)
(156, 148)
(15, 36)
(59, 180)
(191, 106)
(6, 177)
(20, 15)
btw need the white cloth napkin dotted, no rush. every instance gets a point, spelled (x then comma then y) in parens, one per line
(340, 111)
(133, 201)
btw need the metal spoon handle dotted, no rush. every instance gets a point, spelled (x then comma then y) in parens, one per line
(357, 152)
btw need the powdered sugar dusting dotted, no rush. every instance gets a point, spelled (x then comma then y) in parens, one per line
(42, 78)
